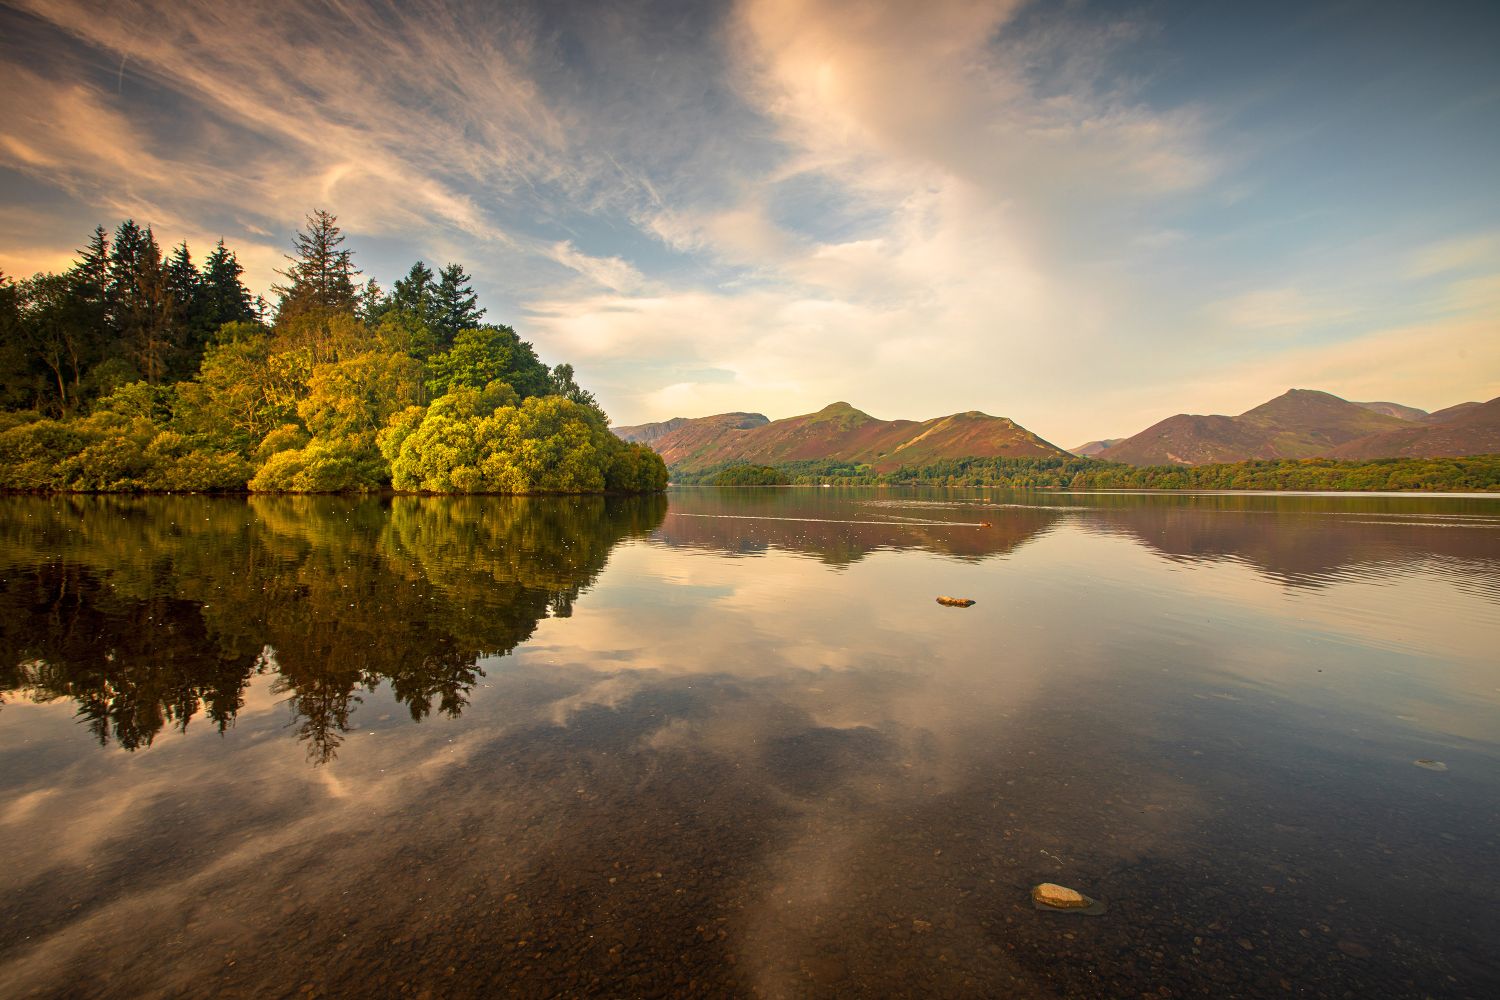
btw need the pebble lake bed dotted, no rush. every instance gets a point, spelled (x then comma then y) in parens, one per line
(730, 742)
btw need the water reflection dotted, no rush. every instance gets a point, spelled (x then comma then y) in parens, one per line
(146, 612)
(756, 759)
(1314, 539)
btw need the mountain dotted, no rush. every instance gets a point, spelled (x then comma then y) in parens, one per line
(647, 433)
(1300, 423)
(1094, 447)
(1394, 410)
(1448, 413)
(839, 432)
(1473, 430)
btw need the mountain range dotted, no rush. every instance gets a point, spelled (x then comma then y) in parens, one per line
(1306, 423)
(838, 432)
(1300, 423)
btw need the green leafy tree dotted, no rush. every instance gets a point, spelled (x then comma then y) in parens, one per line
(470, 441)
(355, 397)
(488, 354)
(563, 384)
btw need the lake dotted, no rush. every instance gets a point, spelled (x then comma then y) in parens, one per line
(726, 742)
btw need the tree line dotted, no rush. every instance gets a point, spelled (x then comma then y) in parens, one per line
(132, 371)
(1472, 473)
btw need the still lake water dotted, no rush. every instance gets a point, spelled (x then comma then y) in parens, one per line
(727, 743)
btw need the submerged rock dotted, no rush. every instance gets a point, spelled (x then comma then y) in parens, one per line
(955, 602)
(1431, 765)
(1059, 897)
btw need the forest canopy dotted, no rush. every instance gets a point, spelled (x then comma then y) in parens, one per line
(139, 371)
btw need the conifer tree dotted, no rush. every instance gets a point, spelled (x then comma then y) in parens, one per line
(91, 270)
(153, 333)
(140, 300)
(182, 282)
(122, 287)
(416, 293)
(456, 307)
(320, 273)
(224, 298)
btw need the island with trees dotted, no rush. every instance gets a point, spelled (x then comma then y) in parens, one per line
(138, 371)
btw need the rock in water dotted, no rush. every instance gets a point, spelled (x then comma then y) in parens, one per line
(1431, 765)
(955, 602)
(1059, 897)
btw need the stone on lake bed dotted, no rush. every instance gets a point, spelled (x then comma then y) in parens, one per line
(1431, 765)
(1059, 897)
(955, 602)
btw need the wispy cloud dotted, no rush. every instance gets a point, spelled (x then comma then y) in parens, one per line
(1463, 254)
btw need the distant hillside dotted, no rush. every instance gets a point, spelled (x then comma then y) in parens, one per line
(1301, 423)
(1473, 430)
(647, 433)
(840, 432)
(1094, 447)
(1448, 413)
(1394, 410)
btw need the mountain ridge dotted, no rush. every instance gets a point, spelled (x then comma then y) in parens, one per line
(1473, 430)
(646, 433)
(1310, 423)
(841, 432)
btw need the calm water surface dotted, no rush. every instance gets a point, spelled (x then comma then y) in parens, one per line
(727, 743)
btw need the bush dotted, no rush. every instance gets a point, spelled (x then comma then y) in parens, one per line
(322, 467)
(466, 443)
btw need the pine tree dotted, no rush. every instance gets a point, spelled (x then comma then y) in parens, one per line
(122, 286)
(416, 293)
(224, 298)
(182, 281)
(373, 302)
(91, 270)
(320, 275)
(88, 305)
(154, 334)
(455, 304)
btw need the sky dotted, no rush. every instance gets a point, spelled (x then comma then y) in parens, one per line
(1082, 216)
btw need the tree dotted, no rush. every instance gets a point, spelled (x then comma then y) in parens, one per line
(184, 285)
(563, 384)
(182, 282)
(52, 336)
(18, 381)
(320, 275)
(405, 318)
(223, 297)
(415, 293)
(456, 307)
(129, 248)
(373, 302)
(140, 300)
(479, 357)
(91, 270)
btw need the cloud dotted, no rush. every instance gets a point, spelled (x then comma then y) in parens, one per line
(1276, 308)
(397, 126)
(1461, 254)
(952, 288)
(610, 272)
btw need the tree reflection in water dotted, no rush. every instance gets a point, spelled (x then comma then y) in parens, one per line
(148, 612)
